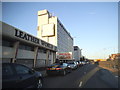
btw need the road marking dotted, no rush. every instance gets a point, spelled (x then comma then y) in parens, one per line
(87, 76)
(116, 76)
(80, 84)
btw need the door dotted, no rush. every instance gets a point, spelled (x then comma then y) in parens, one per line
(25, 78)
(8, 76)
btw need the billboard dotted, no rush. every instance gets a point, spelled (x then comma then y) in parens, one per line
(64, 55)
(48, 30)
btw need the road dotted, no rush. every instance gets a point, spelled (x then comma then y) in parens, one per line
(103, 79)
(87, 76)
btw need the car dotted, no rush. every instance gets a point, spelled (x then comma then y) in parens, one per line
(78, 63)
(73, 65)
(58, 68)
(20, 76)
(83, 63)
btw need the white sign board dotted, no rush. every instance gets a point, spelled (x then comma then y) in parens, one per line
(64, 56)
(48, 30)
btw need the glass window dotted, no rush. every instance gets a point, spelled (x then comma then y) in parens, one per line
(21, 69)
(65, 64)
(6, 70)
(44, 51)
(7, 43)
(25, 47)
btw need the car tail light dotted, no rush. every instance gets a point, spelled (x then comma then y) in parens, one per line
(58, 68)
(48, 68)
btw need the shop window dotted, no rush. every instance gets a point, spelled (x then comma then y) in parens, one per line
(24, 47)
(44, 51)
(40, 50)
(7, 43)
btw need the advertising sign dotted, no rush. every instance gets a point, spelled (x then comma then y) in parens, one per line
(48, 30)
(64, 56)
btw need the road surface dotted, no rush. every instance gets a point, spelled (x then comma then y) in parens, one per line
(87, 76)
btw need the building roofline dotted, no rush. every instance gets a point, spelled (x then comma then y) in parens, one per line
(12, 36)
(65, 29)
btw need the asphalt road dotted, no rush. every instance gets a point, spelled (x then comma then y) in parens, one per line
(88, 76)
(71, 80)
(103, 79)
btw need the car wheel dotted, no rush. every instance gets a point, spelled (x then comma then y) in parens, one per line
(39, 83)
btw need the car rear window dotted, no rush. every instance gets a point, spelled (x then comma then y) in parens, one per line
(71, 63)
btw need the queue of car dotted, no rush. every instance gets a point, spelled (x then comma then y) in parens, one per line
(63, 68)
(58, 68)
(20, 76)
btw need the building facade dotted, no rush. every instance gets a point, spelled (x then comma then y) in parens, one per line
(21, 47)
(51, 30)
(77, 53)
(114, 56)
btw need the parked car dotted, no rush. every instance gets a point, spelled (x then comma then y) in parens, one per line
(61, 69)
(78, 63)
(20, 76)
(83, 63)
(72, 65)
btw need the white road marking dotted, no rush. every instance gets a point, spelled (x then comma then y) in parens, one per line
(116, 76)
(80, 84)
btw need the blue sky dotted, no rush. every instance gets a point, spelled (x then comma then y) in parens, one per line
(93, 25)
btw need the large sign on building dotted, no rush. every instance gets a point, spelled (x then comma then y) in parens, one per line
(48, 30)
(64, 56)
(16, 34)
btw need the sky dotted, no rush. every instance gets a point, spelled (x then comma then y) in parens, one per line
(93, 25)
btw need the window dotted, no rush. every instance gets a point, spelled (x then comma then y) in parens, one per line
(7, 43)
(50, 52)
(25, 47)
(40, 50)
(22, 69)
(65, 64)
(44, 51)
(6, 70)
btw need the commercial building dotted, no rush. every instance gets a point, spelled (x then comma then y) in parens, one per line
(77, 53)
(21, 47)
(51, 30)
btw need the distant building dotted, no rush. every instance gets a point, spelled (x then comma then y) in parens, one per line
(114, 56)
(77, 53)
(51, 30)
(21, 47)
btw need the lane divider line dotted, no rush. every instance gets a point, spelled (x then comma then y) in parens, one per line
(80, 84)
(88, 75)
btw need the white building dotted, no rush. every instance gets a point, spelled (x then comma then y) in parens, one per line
(77, 53)
(51, 30)
(21, 47)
